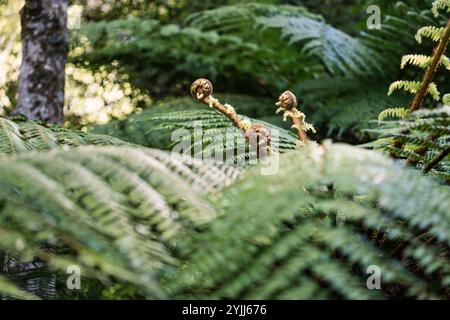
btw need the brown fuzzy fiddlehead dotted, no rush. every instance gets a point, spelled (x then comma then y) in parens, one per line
(287, 103)
(202, 89)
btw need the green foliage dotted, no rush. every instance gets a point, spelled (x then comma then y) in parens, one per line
(207, 130)
(430, 63)
(393, 113)
(419, 137)
(439, 5)
(132, 220)
(422, 137)
(18, 135)
(354, 93)
(146, 223)
(339, 52)
(343, 107)
(344, 104)
(163, 59)
(271, 48)
(162, 10)
(112, 211)
(311, 231)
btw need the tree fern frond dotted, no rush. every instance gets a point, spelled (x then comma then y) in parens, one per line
(408, 86)
(11, 139)
(439, 5)
(393, 113)
(206, 130)
(420, 60)
(413, 87)
(113, 211)
(419, 137)
(18, 135)
(432, 32)
(331, 215)
(446, 62)
(339, 52)
(141, 39)
(345, 105)
(434, 92)
(37, 136)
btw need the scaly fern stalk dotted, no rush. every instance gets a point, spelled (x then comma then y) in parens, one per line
(257, 134)
(287, 103)
(431, 63)
(437, 159)
(414, 153)
(431, 69)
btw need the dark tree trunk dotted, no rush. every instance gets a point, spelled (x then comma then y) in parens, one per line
(45, 45)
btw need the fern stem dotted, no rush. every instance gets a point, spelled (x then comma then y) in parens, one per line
(298, 123)
(287, 103)
(436, 160)
(257, 134)
(202, 89)
(431, 70)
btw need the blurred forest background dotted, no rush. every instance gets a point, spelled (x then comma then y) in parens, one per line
(127, 56)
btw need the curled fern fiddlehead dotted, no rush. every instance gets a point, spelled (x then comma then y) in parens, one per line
(257, 134)
(287, 103)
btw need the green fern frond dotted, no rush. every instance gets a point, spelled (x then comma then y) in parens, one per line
(431, 32)
(434, 92)
(131, 40)
(446, 62)
(322, 239)
(421, 135)
(11, 139)
(408, 86)
(18, 136)
(113, 211)
(207, 131)
(439, 5)
(446, 99)
(339, 52)
(393, 113)
(413, 87)
(419, 60)
(343, 105)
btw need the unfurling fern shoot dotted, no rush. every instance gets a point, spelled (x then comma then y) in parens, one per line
(258, 135)
(287, 103)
